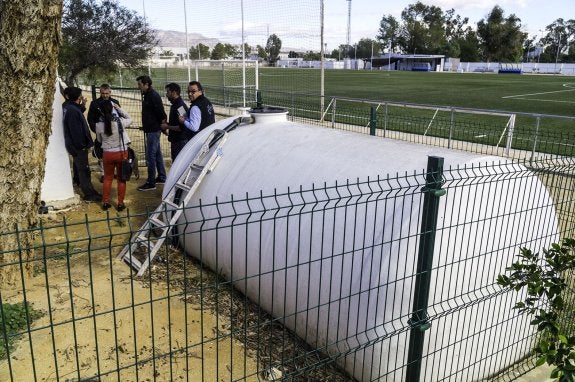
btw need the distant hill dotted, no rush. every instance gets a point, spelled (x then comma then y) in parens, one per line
(174, 40)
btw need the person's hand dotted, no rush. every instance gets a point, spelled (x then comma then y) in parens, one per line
(164, 126)
(181, 118)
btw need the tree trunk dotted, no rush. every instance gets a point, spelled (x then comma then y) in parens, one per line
(29, 41)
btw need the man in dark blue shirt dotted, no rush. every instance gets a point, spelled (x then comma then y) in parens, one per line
(178, 135)
(78, 141)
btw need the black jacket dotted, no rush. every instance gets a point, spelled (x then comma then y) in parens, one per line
(207, 111)
(153, 112)
(94, 112)
(174, 120)
(77, 135)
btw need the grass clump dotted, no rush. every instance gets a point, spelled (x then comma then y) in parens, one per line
(14, 322)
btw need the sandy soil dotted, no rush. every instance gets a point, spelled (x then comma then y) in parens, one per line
(104, 320)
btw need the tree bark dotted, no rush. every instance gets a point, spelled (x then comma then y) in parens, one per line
(29, 46)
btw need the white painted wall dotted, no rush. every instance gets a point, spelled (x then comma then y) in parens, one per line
(57, 189)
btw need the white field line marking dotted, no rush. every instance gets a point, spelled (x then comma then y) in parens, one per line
(546, 100)
(552, 92)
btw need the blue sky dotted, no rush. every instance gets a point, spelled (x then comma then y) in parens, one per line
(222, 18)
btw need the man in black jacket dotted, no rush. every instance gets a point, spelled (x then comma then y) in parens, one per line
(94, 109)
(78, 141)
(201, 112)
(178, 135)
(153, 115)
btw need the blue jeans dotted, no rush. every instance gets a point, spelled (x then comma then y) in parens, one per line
(154, 158)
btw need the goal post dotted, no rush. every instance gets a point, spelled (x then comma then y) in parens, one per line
(232, 82)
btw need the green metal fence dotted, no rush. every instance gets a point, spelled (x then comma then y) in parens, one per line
(388, 279)
(513, 135)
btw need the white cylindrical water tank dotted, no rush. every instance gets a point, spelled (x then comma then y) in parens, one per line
(336, 258)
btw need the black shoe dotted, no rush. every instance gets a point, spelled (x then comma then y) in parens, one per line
(147, 187)
(120, 207)
(160, 180)
(93, 198)
(106, 206)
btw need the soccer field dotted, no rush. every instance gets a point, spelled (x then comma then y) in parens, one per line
(528, 93)
(541, 94)
(299, 89)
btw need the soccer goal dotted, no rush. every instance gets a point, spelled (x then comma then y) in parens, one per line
(232, 83)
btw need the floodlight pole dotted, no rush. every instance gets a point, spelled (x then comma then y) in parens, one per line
(322, 62)
(389, 54)
(371, 64)
(187, 46)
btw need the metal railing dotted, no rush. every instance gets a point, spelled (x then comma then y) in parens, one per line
(511, 134)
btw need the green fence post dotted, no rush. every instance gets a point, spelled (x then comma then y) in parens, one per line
(419, 321)
(372, 121)
(93, 92)
(258, 99)
(451, 125)
(535, 136)
(385, 120)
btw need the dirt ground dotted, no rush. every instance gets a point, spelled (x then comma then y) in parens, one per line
(101, 323)
(103, 319)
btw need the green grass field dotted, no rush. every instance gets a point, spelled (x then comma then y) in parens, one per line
(540, 94)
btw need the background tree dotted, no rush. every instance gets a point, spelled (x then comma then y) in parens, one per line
(364, 48)
(427, 29)
(101, 37)
(457, 32)
(336, 53)
(469, 47)
(30, 39)
(231, 51)
(199, 52)
(219, 52)
(501, 38)
(262, 54)
(424, 29)
(273, 48)
(247, 50)
(389, 29)
(528, 49)
(558, 40)
(312, 56)
(292, 54)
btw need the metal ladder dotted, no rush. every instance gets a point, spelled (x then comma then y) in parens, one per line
(145, 243)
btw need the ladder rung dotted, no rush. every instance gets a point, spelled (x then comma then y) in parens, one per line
(143, 241)
(156, 222)
(183, 186)
(172, 204)
(131, 260)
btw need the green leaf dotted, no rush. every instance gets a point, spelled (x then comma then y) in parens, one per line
(541, 360)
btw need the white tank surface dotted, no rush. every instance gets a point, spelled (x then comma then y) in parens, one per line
(338, 264)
